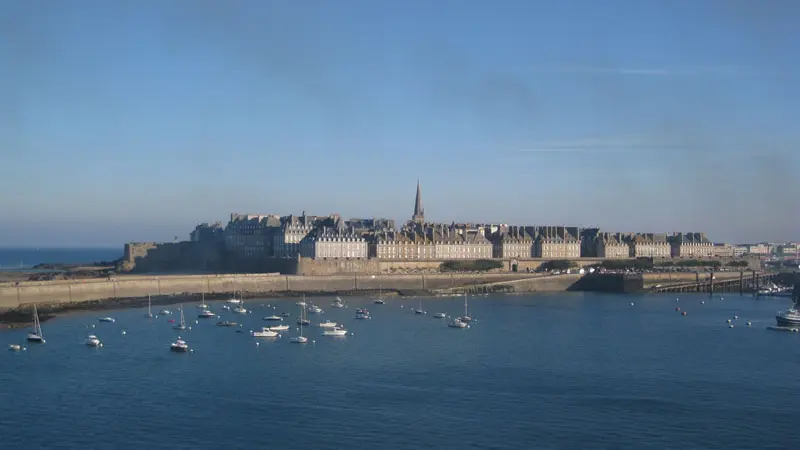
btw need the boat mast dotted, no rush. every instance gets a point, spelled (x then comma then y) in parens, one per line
(37, 327)
(466, 312)
(149, 307)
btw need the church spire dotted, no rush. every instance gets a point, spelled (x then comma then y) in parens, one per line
(419, 211)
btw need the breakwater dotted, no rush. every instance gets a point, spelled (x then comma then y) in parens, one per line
(14, 295)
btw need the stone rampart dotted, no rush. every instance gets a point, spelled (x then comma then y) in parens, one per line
(125, 286)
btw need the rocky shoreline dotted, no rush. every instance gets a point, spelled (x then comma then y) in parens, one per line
(22, 316)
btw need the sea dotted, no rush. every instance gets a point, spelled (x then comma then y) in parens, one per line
(544, 371)
(25, 258)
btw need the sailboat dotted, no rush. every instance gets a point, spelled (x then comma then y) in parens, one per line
(420, 310)
(149, 314)
(234, 300)
(465, 318)
(338, 303)
(379, 300)
(182, 324)
(36, 334)
(202, 304)
(240, 309)
(300, 339)
(303, 320)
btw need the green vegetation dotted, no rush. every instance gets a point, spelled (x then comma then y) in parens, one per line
(623, 264)
(557, 264)
(482, 265)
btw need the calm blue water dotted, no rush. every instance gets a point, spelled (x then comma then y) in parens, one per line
(16, 258)
(548, 371)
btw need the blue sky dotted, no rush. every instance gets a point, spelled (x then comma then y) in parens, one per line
(134, 120)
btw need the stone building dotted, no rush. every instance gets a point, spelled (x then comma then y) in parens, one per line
(292, 230)
(724, 251)
(558, 243)
(612, 246)
(649, 245)
(691, 245)
(512, 242)
(404, 244)
(205, 232)
(589, 237)
(450, 244)
(248, 236)
(338, 242)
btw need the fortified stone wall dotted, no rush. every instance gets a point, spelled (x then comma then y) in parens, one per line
(44, 292)
(172, 257)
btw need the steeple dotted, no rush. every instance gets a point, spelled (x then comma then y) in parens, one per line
(419, 211)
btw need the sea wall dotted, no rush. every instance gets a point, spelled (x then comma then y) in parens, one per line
(652, 279)
(44, 292)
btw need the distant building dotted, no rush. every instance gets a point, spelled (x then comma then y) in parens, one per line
(248, 236)
(207, 232)
(759, 249)
(612, 246)
(558, 243)
(450, 244)
(292, 230)
(513, 242)
(337, 242)
(650, 245)
(419, 211)
(790, 249)
(691, 245)
(406, 244)
(739, 250)
(724, 251)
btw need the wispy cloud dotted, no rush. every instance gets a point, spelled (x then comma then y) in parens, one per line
(651, 71)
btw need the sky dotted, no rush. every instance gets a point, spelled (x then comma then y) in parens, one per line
(136, 120)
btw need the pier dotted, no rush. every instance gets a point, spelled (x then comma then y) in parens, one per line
(751, 282)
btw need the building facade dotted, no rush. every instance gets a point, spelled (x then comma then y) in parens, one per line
(558, 243)
(612, 246)
(248, 236)
(691, 245)
(649, 245)
(513, 242)
(333, 243)
(724, 251)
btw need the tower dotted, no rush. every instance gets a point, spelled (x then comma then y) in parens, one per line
(419, 211)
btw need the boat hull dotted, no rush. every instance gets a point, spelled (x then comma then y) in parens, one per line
(784, 321)
(35, 338)
(265, 334)
(179, 349)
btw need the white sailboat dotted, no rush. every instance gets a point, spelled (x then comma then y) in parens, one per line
(420, 310)
(182, 324)
(379, 300)
(149, 314)
(234, 300)
(240, 309)
(465, 318)
(202, 304)
(36, 335)
(300, 339)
